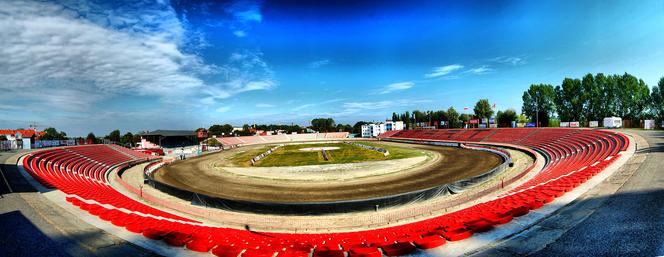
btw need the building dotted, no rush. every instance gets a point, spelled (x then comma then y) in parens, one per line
(375, 129)
(393, 125)
(169, 138)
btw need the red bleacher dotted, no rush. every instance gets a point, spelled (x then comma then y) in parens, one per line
(573, 156)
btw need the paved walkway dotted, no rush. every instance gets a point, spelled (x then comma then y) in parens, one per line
(34, 226)
(623, 216)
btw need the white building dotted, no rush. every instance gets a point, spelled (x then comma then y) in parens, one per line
(375, 129)
(393, 125)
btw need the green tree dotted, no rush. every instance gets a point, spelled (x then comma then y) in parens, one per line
(51, 133)
(538, 102)
(483, 109)
(357, 128)
(407, 120)
(464, 117)
(522, 118)
(453, 118)
(216, 130)
(114, 136)
(395, 117)
(569, 100)
(657, 96)
(323, 124)
(505, 118)
(91, 138)
(127, 139)
(593, 97)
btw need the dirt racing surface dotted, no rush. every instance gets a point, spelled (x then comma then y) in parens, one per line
(200, 175)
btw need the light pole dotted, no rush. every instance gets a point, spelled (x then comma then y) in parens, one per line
(537, 110)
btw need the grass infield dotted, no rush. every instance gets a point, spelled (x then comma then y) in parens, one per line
(291, 155)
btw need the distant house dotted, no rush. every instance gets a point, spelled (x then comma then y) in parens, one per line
(11, 134)
(375, 129)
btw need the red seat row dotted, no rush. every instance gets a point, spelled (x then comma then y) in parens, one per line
(573, 156)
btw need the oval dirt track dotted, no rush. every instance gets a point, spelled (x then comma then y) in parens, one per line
(196, 175)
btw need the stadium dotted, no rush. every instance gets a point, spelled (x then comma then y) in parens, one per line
(285, 129)
(448, 185)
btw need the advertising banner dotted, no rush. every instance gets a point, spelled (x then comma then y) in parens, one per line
(530, 125)
(594, 124)
(482, 125)
(564, 124)
(649, 124)
(484, 120)
(474, 121)
(574, 124)
(492, 120)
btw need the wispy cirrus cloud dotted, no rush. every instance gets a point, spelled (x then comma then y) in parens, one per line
(377, 105)
(264, 105)
(443, 70)
(319, 63)
(479, 70)
(397, 87)
(511, 60)
(223, 109)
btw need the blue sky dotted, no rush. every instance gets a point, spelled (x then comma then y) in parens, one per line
(84, 66)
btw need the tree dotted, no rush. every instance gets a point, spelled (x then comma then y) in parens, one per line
(53, 134)
(483, 109)
(357, 128)
(227, 129)
(407, 120)
(91, 138)
(522, 119)
(114, 136)
(505, 118)
(453, 118)
(216, 130)
(323, 124)
(569, 100)
(593, 96)
(657, 96)
(464, 117)
(395, 117)
(127, 139)
(538, 102)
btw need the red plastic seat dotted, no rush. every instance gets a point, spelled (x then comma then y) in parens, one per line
(429, 242)
(398, 249)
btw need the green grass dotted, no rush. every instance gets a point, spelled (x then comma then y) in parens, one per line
(290, 155)
(395, 151)
(242, 158)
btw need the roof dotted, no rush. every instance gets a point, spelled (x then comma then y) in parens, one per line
(24, 132)
(169, 133)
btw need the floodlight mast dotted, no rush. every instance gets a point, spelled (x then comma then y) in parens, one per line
(537, 110)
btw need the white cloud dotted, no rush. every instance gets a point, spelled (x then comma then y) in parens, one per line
(303, 106)
(70, 57)
(511, 60)
(480, 70)
(223, 109)
(397, 86)
(263, 105)
(443, 70)
(239, 33)
(74, 60)
(377, 105)
(318, 64)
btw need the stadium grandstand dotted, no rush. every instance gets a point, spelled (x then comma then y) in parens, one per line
(572, 157)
